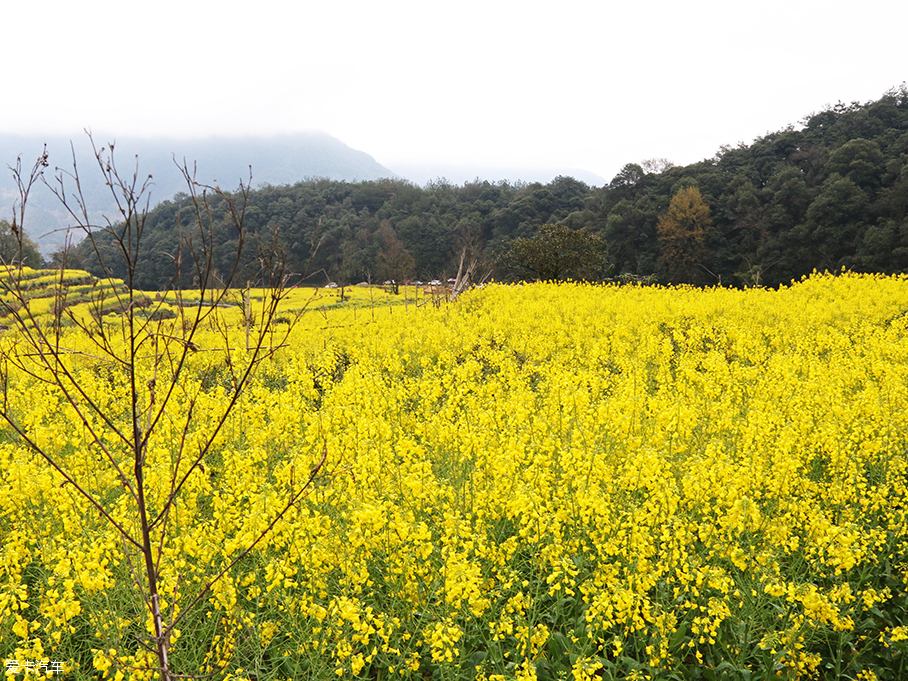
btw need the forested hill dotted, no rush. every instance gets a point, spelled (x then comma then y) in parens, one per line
(830, 194)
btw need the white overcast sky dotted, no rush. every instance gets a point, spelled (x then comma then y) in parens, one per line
(485, 83)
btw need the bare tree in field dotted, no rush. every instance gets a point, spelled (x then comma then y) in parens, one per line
(156, 338)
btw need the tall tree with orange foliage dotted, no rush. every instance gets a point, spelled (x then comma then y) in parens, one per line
(683, 230)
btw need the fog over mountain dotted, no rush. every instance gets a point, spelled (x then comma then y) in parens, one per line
(226, 161)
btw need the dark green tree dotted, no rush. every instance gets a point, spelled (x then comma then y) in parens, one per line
(858, 160)
(15, 250)
(628, 232)
(837, 219)
(394, 261)
(558, 253)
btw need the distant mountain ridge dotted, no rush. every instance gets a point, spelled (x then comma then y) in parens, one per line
(274, 160)
(423, 173)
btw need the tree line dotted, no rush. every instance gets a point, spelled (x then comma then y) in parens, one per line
(831, 194)
(828, 194)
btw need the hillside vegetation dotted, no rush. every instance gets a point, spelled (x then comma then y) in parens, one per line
(829, 194)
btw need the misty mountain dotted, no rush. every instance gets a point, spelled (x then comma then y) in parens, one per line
(225, 161)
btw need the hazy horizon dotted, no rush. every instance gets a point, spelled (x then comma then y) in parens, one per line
(487, 85)
(418, 173)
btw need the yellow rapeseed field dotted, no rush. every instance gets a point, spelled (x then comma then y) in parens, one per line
(540, 481)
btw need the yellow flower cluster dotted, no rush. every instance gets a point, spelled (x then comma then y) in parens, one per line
(532, 480)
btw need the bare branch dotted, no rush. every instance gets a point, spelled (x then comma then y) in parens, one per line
(144, 342)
